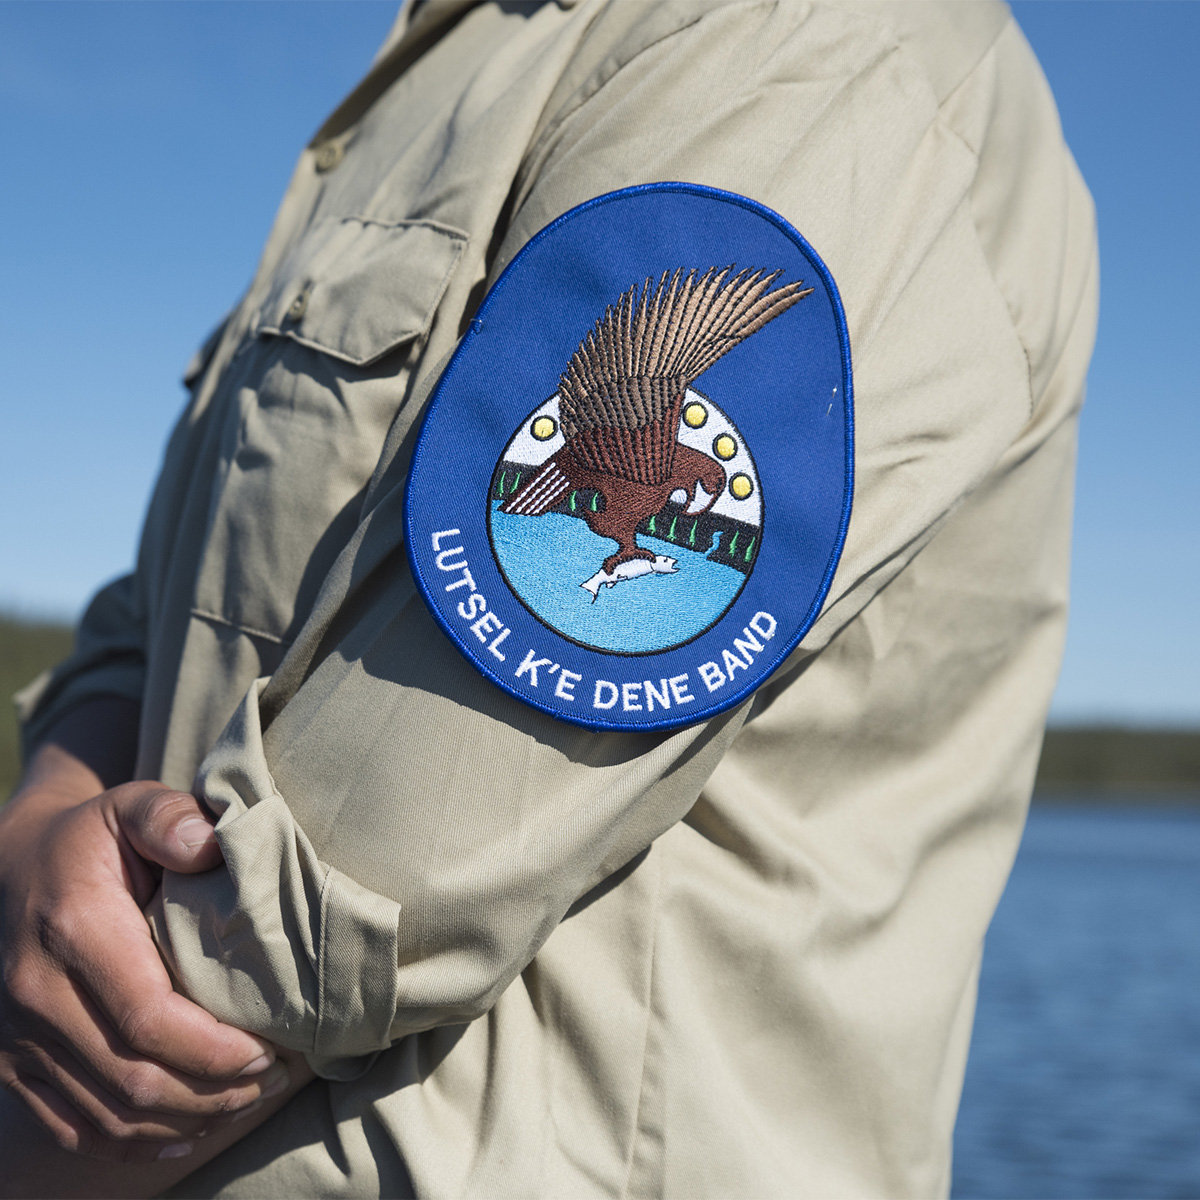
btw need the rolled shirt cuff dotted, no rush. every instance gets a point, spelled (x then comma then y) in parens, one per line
(276, 941)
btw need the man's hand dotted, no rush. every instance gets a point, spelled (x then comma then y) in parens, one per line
(93, 1037)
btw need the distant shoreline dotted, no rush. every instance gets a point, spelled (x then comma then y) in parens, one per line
(1164, 798)
(1119, 764)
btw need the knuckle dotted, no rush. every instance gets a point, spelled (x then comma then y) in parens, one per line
(208, 1065)
(24, 983)
(139, 1087)
(139, 1026)
(35, 1057)
(59, 930)
(159, 810)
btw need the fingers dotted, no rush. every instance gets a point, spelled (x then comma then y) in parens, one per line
(95, 932)
(105, 1112)
(172, 829)
(95, 980)
(120, 969)
(93, 1038)
(86, 1162)
(60, 1016)
(119, 1121)
(73, 1132)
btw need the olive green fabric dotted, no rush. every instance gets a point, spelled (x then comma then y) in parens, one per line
(531, 959)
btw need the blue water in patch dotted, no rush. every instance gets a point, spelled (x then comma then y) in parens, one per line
(1084, 1075)
(547, 558)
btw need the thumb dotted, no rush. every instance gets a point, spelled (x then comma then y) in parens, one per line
(167, 827)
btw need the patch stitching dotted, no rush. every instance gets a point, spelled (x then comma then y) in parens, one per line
(770, 664)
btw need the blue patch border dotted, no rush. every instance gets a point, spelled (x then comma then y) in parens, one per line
(750, 686)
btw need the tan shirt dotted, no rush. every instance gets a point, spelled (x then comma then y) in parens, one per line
(533, 959)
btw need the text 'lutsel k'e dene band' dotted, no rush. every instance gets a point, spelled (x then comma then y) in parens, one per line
(660, 525)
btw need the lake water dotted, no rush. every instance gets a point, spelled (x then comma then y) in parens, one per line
(1084, 1076)
(635, 616)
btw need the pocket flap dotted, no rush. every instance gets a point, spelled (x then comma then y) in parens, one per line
(356, 288)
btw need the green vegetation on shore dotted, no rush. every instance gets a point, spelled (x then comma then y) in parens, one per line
(1114, 761)
(1084, 762)
(26, 649)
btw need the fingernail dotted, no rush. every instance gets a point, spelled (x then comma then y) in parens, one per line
(261, 1063)
(194, 833)
(175, 1150)
(245, 1112)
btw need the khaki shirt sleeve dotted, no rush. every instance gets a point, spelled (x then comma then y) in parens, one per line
(400, 836)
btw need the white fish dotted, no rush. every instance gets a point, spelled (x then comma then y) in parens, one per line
(634, 569)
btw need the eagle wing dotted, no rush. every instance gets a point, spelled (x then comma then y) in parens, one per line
(621, 395)
(542, 492)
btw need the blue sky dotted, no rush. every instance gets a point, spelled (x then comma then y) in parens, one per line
(147, 146)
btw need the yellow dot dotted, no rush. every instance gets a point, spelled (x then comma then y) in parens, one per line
(725, 447)
(695, 415)
(544, 428)
(741, 486)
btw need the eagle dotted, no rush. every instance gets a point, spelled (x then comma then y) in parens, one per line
(622, 393)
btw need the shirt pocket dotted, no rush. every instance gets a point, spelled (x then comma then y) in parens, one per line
(356, 289)
(307, 403)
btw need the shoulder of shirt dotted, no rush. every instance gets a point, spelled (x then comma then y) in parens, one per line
(975, 64)
(945, 39)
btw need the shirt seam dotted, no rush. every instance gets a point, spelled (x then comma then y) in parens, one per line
(631, 1161)
(948, 128)
(322, 960)
(217, 619)
(581, 98)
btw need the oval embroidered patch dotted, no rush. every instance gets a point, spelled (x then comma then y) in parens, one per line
(634, 478)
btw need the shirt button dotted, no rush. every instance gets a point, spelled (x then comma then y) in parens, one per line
(299, 306)
(328, 155)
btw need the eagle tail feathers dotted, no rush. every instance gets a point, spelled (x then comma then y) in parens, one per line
(671, 330)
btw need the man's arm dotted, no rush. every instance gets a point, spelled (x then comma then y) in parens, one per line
(401, 837)
(91, 748)
(93, 1038)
